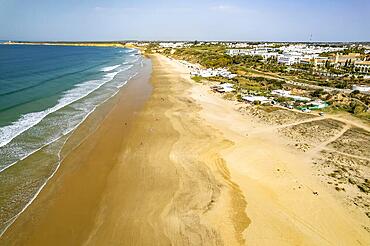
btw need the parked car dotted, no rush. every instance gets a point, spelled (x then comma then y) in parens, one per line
(306, 110)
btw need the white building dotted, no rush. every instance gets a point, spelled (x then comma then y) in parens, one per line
(361, 88)
(265, 52)
(236, 52)
(289, 59)
(206, 73)
(287, 94)
(362, 66)
(281, 93)
(309, 50)
(224, 88)
(238, 45)
(172, 44)
(253, 99)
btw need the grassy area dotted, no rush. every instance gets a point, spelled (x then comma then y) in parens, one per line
(209, 56)
(229, 96)
(197, 79)
(269, 109)
(364, 116)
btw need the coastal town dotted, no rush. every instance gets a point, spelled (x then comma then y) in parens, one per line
(296, 76)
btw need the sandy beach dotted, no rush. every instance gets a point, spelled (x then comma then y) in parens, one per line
(174, 164)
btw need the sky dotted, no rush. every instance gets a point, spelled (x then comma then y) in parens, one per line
(258, 20)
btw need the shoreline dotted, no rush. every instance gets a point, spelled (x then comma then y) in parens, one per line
(83, 130)
(67, 136)
(23, 179)
(182, 173)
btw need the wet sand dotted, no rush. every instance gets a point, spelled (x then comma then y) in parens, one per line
(64, 211)
(186, 169)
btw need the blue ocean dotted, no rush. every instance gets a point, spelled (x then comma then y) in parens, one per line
(45, 93)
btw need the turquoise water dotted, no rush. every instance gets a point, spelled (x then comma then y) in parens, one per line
(45, 93)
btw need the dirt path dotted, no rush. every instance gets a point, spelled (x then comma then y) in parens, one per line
(322, 145)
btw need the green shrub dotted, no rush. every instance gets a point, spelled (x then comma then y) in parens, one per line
(197, 78)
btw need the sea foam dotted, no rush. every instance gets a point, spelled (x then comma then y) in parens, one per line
(110, 68)
(25, 122)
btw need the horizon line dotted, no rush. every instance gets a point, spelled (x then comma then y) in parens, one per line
(179, 40)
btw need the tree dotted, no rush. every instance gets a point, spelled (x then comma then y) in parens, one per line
(317, 93)
(341, 85)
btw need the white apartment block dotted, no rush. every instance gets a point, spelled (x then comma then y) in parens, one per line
(362, 66)
(289, 59)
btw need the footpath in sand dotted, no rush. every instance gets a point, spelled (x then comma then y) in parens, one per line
(188, 169)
